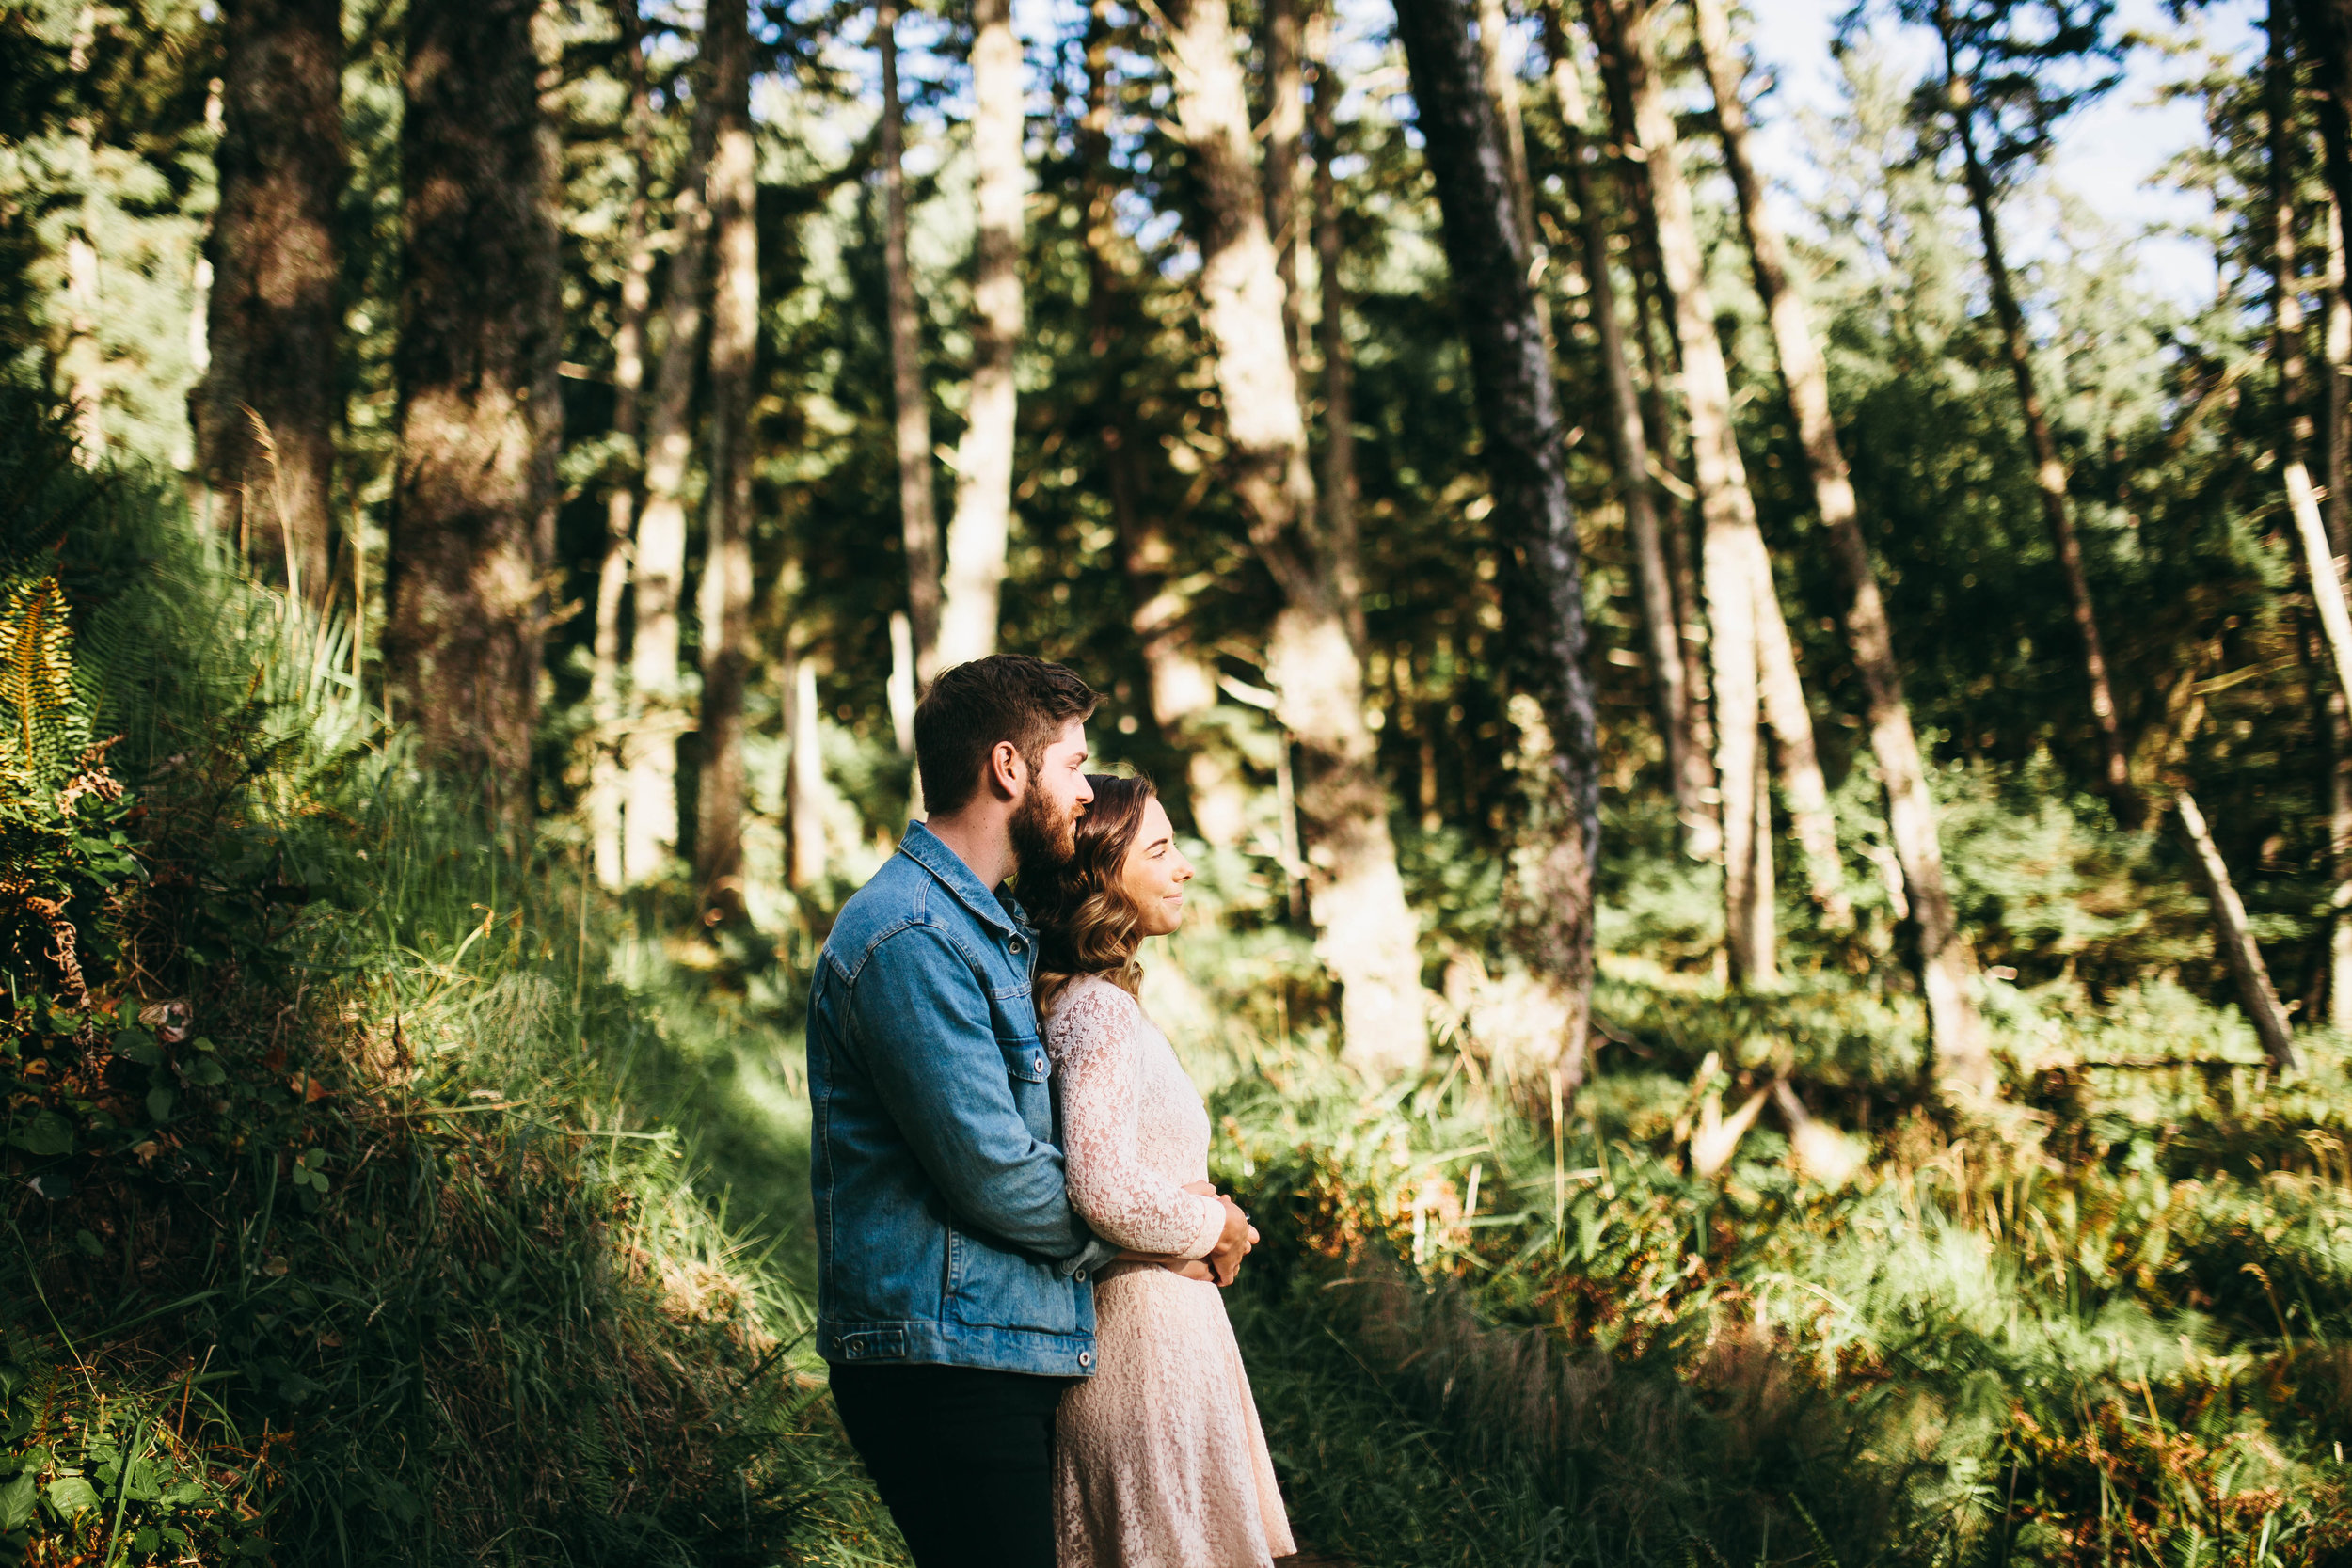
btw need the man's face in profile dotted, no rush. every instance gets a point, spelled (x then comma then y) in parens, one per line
(1045, 826)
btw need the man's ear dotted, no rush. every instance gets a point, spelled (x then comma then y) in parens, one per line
(1008, 773)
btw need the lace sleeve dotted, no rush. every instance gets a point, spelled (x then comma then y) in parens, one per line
(1092, 1036)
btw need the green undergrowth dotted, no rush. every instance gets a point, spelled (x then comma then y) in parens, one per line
(2115, 1328)
(348, 1218)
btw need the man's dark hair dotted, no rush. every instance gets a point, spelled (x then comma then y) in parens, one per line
(971, 707)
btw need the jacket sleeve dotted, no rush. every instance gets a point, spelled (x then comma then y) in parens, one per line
(1093, 1035)
(922, 1023)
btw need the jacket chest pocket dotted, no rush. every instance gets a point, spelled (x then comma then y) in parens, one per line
(1031, 1073)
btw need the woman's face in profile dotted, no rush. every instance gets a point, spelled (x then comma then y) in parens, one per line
(1155, 873)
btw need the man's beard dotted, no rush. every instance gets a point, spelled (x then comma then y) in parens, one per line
(1041, 841)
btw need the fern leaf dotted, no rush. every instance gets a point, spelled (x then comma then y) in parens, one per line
(37, 670)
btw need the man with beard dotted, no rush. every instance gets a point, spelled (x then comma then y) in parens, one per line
(954, 1301)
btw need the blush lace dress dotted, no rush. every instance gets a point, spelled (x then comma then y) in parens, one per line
(1159, 1459)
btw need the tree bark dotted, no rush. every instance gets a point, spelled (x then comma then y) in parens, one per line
(1285, 128)
(804, 776)
(272, 322)
(1518, 414)
(1945, 965)
(1739, 614)
(918, 517)
(603, 804)
(1688, 772)
(1366, 934)
(656, 717)
(83, 362)
(982, 524)
(2337, 354)
(726, 640)
(2237, 939)
(1337, 487)
(1791, 721)
(2049, 471)
(481, 332)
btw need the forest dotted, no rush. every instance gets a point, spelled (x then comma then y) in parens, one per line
(1762, 714)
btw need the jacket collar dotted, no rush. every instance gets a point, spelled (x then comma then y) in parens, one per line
(927, 850)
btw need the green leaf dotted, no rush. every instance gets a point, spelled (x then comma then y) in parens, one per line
(205, 1074)
(46, 1133)
(69, 1495)
(160, 1100)
(137, 1045)
(16, 1503)
(91, 1246)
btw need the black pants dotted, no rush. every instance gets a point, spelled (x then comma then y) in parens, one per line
(964, 1457)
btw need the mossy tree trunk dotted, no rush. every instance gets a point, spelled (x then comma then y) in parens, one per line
(1535, 539)
(480, 333)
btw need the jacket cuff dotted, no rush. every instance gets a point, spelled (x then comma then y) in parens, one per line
(1204, 1241)
(1085, 1264)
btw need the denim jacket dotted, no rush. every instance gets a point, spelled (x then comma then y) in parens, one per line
(945, 1232)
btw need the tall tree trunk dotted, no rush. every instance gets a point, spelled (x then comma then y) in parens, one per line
(1945, 963)
(982, 525)
(1687, 771)
(1735, 567)
(603, 806)
(272, 321)
(804, 773)
(657, 715)
(918, 518)
(1526, 458)
(481, 332)
(726, 640)
(81, 364)
(1792, 721)
(2235, 938)
(1181, 686)
(2337, 354)
(1337, 487)
(1366, 933)
(1285, 127)
(2049, 471)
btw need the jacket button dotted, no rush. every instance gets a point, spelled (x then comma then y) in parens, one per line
(1016, 944)
(1079, 1275)
(1086, 1358)
(1041, 1064)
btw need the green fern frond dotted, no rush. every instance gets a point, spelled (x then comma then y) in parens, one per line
(37, 671)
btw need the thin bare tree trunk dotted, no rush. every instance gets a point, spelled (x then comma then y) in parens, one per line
(2049, 471)
(657, 718)
(480, 333)
(1734, 545)
(804, 776)
(1285, 127)
(273, 319)
(1366, 933)
(1945, 963)
(2337, 354)
(1541, 575)
(1791, 721)
(603, 804)
(911, 428)
(1687, 769)
(726, 631)
(2237, 939)
(982, 524)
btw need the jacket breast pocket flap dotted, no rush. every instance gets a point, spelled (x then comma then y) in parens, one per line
(1025, 1058)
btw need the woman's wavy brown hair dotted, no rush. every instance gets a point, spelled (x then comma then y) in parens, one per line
(1086, 922)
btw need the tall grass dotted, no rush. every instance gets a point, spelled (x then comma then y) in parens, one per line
(358, 1243)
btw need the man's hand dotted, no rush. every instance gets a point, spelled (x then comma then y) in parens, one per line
(1188, 1268)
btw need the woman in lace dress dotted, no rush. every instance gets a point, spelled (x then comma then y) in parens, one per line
(1159, 1459)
